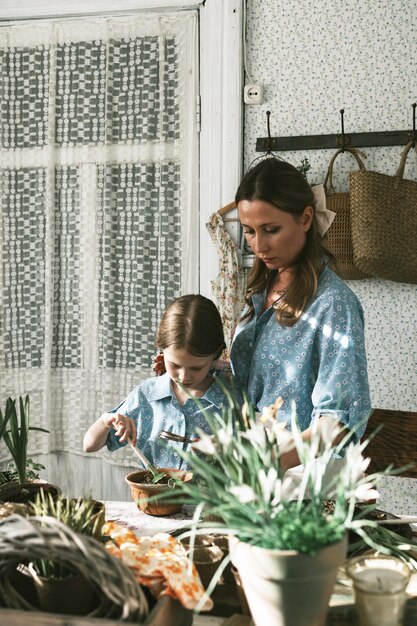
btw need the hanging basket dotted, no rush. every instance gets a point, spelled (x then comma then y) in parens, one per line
(384, 222)
(23, 540)
(338, 239)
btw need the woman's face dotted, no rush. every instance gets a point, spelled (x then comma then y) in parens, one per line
(275, 236)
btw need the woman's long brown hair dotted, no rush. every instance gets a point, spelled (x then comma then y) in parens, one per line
(282, 185)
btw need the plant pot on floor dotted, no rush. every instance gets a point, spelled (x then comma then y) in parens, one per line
(26, 492)
(285, 587)
(73, 595)
(142, 489)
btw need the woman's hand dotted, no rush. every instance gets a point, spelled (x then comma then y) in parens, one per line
(124, 426)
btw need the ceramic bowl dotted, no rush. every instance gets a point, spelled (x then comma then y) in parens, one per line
(141, 491)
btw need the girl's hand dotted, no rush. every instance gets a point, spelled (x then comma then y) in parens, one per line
(124, 426)
(159, 365)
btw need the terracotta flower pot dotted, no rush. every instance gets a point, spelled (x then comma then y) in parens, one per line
(26, 492)
(141, 491)
(285, 587)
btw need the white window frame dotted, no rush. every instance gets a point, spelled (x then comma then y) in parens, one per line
(221, 139)
(221, 84)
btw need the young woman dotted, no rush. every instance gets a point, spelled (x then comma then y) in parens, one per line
(191, 337)
(301, 336)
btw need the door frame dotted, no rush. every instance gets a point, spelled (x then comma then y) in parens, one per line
(221, 138)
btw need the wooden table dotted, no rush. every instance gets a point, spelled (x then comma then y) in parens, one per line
(342, 610)
(227, 606)
(225, 595)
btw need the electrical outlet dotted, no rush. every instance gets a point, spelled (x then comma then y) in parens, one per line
(253, 94)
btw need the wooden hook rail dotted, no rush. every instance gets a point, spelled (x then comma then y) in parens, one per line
(355, 140)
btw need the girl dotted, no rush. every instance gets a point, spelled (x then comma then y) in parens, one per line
(191, 338)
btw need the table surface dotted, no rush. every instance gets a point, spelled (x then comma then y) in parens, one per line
(127, 513)
(227, 607)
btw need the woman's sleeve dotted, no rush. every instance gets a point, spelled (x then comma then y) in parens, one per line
(341, 387)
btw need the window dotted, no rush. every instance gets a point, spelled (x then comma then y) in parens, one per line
(99, 180)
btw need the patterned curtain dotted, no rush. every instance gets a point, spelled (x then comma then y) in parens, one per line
(97, 203)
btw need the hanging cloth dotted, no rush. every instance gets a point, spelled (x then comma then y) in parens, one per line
(229, 287)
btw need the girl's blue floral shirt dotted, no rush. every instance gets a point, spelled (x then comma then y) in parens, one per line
(154, 407)
(320, 362)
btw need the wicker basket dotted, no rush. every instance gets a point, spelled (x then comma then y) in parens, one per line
(338, 239)
(384, 222)
(23, 540)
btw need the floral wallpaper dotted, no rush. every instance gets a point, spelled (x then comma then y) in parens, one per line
(313, 58)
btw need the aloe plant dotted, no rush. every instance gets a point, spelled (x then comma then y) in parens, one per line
(16, 434)
(3, 424)
(82, 515)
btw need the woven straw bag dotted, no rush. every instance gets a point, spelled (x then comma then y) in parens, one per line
(338, 239)
(384, 223)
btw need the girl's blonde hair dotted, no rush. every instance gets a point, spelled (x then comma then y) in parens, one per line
(192, 323)
(282, 185)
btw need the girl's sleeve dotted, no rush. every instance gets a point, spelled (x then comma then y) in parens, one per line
(341, 387)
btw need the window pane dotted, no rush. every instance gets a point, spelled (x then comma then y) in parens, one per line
(66, 342)
(23, 260)
(24, 99)
(80, 97)
(140, 266)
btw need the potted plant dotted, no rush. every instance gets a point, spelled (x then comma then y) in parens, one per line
(44, 538)
(19, 484)
(147, 485)
(146, 490)
(284, 543)
(59, 588)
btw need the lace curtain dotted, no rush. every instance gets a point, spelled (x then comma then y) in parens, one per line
(98, 147)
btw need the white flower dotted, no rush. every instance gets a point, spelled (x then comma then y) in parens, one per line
(366, 491)
(329, 427)
(205, 444)
(243, 493)
(283, 436)
(256, 435)
(286, 489)
(268, 482)
(223, 436)
(356, 462)
(269, 413)
(245, 413)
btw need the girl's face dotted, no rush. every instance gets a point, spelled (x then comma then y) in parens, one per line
(187, 369)
(275, 236)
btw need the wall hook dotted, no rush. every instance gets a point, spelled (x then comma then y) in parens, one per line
(342, 113)
(269, 148)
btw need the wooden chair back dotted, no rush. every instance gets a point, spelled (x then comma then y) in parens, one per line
(395, 443)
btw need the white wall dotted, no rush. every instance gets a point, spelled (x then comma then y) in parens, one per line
(315, 57)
